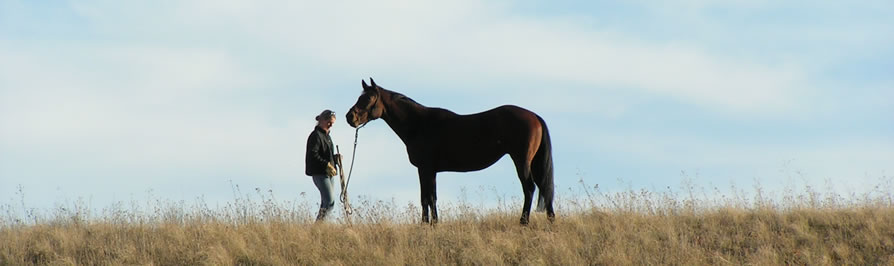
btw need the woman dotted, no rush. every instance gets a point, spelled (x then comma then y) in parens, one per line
(320, 161)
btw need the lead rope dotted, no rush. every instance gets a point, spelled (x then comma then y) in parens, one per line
(346, 181)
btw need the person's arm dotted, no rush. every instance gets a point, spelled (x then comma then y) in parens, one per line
(313, 150)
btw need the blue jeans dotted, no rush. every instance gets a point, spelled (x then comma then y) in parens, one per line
(327, 196)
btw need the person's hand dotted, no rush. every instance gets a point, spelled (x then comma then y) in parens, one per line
(330, 170)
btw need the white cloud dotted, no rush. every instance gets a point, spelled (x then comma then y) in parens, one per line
(471, 40)
(517, 49)
(138, 107)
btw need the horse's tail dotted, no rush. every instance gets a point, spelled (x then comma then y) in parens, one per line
(542, 170)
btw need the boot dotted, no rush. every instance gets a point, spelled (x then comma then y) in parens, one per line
(321, 215)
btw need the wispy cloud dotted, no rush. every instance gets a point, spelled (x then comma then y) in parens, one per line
(480, 41)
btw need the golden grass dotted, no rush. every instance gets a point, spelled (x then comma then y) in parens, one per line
(627, 228)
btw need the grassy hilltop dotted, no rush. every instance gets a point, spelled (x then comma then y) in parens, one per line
(631, 227)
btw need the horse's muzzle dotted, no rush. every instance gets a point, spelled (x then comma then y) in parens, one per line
(349, 117)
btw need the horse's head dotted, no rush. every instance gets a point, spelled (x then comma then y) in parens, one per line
(368, 107)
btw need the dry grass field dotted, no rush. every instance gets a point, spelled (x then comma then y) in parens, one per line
(631, 227)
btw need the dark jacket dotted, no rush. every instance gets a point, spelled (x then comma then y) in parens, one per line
(319, 152)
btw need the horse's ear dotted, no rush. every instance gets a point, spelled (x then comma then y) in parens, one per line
(365, 87)
(373, 82)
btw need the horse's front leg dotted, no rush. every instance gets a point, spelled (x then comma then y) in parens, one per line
(433, 199)
(424, 213)
(427, 188)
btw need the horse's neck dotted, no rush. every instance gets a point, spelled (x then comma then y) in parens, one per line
(403, 116)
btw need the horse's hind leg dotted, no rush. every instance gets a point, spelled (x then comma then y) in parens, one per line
(524, 175)
(545, 202)
(528, 189)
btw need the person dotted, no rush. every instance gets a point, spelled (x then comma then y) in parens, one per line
(320, 161)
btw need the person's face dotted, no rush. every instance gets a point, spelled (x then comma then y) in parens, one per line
(327, 123)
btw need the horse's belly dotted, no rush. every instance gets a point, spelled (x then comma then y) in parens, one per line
(463, 164)
(458, 153)
(464, 161)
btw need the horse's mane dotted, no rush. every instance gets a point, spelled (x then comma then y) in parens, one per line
(400, 98)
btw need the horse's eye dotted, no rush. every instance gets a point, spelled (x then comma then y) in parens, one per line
(367, 101)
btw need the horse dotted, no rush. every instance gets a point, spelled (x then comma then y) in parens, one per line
(439, 140)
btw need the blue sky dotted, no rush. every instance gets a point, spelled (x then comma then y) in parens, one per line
(109, 100)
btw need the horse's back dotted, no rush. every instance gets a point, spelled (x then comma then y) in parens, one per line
(503, 112)
(513, 117)
(510, 126)
(475, 141)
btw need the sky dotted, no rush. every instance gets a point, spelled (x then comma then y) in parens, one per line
(108, 101)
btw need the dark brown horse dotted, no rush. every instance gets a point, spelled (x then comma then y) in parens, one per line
(439, 140)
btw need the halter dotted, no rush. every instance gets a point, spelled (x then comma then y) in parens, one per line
(378, 96)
